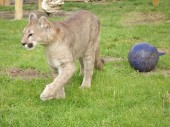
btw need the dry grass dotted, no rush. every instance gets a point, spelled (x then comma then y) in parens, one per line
(141, 18)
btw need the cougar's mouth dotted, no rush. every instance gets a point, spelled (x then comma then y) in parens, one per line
(29, 45)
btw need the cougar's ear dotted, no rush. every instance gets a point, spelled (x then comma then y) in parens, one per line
(60, 33)
(43, 22)
(32, 16)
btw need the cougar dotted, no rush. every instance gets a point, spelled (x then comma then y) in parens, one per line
(64, 42)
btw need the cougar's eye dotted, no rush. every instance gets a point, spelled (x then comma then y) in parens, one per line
(30, 35)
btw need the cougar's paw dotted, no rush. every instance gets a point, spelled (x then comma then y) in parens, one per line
(48, 93)
(57, 96)
(60, 96)
(43, 97)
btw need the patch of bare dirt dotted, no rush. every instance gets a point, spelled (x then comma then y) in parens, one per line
(25, 74)
(137, 18)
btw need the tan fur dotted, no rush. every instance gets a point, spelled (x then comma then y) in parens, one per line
(64, 42)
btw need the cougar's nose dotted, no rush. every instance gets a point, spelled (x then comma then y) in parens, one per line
(30, 45)
(23, 44)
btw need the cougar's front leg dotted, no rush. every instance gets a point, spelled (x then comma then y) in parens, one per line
(60, 93)
(56, 88)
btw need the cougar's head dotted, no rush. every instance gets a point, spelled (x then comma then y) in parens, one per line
(38, 31)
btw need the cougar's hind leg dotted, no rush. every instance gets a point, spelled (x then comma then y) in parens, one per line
(88, 61)
(81, 66)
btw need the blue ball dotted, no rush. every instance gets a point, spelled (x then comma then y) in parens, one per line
(143, 57)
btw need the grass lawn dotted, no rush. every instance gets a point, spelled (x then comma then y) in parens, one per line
(119, 97)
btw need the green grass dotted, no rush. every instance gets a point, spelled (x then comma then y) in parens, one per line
(12, 7)
(119, 97)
